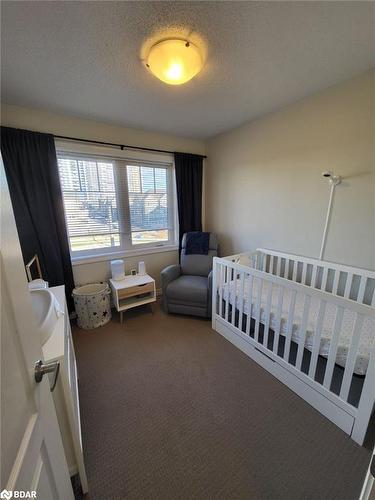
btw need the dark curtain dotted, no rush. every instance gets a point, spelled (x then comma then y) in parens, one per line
(31, 168)
(189, 171)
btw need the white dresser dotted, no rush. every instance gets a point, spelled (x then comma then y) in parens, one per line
(59, 347)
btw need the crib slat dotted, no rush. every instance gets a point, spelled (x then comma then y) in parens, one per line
(336, 281)
(265, 257)
(234, 298)
(295, 269)
(278, 320)
(304, 271)
(366, 402)
(333, 348)
(227, 281)
(324, 279)
(249, 303)
(289, 328)
(351, 356)
(317, 337)
(348, 285)
(278, 267)
(303, 329)
(362, 288)
(221, 285)
(313, 276)
(272, 264)
(258, 309)
(267, 315)
(286, 268)
(241, 299)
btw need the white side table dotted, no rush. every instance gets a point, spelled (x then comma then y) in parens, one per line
(133, 291)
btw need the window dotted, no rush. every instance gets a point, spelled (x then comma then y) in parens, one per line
(148, 203)
(113, 205)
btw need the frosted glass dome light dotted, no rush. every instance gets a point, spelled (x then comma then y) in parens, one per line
(174, 61)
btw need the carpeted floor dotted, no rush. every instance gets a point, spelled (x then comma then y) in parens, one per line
(171, 410)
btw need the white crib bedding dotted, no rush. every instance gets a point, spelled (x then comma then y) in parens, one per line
(368, 330)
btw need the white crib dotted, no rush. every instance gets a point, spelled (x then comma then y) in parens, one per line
(310, 323)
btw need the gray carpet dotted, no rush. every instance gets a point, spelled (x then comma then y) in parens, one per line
(171, 410)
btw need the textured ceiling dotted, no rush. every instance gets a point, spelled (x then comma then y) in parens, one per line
(83, 58)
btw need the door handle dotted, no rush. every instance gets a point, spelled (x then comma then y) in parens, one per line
(43, 368)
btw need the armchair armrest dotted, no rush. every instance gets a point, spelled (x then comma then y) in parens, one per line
(167, 275)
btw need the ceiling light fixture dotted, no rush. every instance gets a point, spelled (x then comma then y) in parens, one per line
(174, 61)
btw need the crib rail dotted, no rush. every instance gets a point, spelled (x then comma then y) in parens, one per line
(263, 322)
(345, 281)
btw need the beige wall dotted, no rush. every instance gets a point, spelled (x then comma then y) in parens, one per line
(263, 180)
(264, 186)
(44, 121)
(100, 271)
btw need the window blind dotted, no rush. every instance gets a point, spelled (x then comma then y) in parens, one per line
(112, 204)
(148, 203)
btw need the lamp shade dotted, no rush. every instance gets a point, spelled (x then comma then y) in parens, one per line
(174, 61)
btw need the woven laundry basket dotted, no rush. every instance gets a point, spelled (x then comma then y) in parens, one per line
(92, 305)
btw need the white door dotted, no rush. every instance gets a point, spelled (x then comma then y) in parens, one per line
(32, 455)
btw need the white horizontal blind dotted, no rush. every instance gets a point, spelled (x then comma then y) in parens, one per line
(148, 204)
(113, 205)
(90, 203)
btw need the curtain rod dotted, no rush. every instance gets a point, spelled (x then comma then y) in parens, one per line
(121, 146)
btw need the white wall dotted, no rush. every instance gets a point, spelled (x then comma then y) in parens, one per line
(264, 186)
(44, 121)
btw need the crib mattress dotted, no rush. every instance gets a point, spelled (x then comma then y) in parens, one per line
(368, 330)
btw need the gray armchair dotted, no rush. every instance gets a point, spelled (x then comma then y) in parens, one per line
(187, 287)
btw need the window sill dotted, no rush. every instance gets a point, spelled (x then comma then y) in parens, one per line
(77, 261)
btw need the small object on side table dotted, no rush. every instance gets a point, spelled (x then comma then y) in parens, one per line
(133, 291)
(118, 269)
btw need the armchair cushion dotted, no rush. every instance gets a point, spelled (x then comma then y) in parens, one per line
(197, 264)
(189, 289)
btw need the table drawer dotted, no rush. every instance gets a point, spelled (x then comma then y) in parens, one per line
(135, 290)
